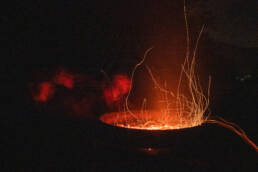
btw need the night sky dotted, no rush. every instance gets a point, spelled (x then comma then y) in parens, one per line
(82, 38)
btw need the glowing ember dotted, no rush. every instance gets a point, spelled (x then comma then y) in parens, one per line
(146, 120)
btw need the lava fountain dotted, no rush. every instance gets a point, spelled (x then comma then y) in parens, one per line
(179, 111)
(182, 110)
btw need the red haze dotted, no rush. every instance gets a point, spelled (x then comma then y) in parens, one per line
(123, 83)
(64, 78)
(82, 108)
(45, 91)
(120, 86)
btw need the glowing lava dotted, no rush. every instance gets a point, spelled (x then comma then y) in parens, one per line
(146, 120)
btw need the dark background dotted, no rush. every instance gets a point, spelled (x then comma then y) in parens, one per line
(39, 36)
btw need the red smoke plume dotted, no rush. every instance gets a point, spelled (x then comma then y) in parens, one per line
(45, 91)
(64, 78)
(119, 87)
(76, 99)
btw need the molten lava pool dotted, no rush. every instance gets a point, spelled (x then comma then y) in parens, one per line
(146, 120)
(147, 132)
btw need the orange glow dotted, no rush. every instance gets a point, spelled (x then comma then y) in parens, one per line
(145, 120)
(183, 109)
(179, 109)
(45, 91)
